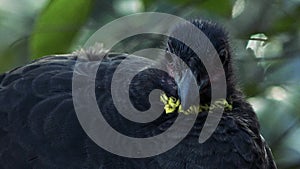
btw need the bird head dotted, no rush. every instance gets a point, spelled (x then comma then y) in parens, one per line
(177, 52)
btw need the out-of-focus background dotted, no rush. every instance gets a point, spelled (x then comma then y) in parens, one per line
(265, 37)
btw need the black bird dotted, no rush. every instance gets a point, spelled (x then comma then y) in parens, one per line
(39, 128)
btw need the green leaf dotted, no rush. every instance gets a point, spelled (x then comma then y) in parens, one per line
(222, 7)
(14, 55)
(58, 25)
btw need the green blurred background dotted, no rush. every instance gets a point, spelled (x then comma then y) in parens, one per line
(265, 37)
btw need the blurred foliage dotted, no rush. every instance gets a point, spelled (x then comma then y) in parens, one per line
(265, 40)
(58, 25)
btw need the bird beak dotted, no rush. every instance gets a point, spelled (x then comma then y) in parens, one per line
(187, 88)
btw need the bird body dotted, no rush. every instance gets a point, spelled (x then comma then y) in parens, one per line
(39, 127)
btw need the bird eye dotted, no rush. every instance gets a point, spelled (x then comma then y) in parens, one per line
(223, 55)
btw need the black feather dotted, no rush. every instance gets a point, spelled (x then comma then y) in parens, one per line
(39, 127)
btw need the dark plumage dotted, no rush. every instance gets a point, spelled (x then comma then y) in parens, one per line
(39, 128)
